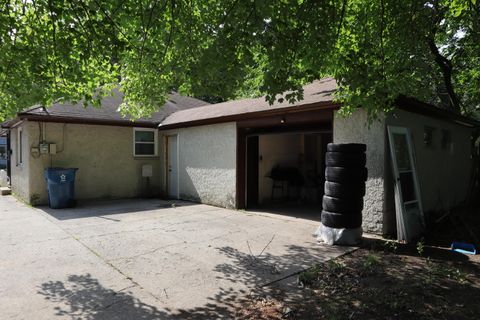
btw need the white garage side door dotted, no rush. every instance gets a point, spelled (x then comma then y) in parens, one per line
(172, 166)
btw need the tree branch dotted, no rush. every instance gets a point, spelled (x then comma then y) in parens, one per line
(446, 68)
(342, 17)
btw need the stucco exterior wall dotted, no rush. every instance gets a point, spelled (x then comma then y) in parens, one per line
(355, 129)
(207, 163)
(20, 172)
(444, 174)
(103, 155)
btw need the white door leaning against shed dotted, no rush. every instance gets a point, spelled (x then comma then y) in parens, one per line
(409, 214)
(172, 166)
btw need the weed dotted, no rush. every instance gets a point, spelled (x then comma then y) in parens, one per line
(421, 246)
(334, 266)
(449, 272)
(371, 262)
(391, 246)
(437, 271)
(308, 277)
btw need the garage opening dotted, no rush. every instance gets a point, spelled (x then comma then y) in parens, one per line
(281, 165)
(285, 172)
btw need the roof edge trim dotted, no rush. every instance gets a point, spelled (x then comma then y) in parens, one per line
(250, 115)
(73, 120)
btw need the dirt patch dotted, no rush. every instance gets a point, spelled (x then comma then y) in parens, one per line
(383, 280)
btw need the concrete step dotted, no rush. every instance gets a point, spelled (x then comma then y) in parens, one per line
(5, 191)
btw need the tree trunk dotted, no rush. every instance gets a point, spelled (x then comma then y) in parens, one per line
(446, 68)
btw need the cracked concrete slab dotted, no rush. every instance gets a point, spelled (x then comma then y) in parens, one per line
(145, 259)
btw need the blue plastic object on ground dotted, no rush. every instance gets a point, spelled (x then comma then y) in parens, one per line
(61, 187)
(463, 247)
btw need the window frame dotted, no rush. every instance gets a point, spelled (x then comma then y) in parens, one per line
(155, 142)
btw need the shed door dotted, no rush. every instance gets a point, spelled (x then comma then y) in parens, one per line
(172, 166)
(409, 214)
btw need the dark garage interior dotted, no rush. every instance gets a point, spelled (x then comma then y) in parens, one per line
(284, 167)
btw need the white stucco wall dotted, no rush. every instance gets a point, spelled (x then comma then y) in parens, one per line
(444, 175)
(355, 129)
(207, 163)
(103, 155)
(20, 172)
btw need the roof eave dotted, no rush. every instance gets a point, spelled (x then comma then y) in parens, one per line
(250, 115)
(88, 121)
(10, 123)
(416, 106)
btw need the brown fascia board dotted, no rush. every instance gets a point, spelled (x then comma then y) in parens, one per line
(419, 107)
(104, 122)
(245, 116)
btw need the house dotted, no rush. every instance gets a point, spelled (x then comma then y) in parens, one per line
(223, 154)
(226, 154)
(109, 150)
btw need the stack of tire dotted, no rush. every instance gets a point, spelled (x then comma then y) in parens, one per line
(345, 177)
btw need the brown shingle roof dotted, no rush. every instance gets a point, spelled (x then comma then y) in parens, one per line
(108, 112)
(317, 92)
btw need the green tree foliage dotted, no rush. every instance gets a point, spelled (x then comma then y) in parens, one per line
(54, 50)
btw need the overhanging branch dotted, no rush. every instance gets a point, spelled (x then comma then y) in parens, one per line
(446, 68)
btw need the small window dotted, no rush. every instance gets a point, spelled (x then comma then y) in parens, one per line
(20, 146)
(428, 134)
(447, 143)
(145, 142)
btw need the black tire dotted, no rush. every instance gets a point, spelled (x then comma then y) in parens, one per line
(342, 205)
(346, 175)
(338, 220)
(350, 160)
(344, 190)
(347, 147)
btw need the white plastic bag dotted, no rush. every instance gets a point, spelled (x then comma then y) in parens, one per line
(332, 236)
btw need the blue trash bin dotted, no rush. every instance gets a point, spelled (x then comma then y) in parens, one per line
(61, 187)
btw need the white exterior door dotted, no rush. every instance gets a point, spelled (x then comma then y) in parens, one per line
(409, 214)
(172, 166)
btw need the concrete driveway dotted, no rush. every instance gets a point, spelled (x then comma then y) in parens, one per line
(145, 259)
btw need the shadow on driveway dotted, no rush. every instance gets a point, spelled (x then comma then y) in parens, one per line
(100, 208)
(83, 296)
